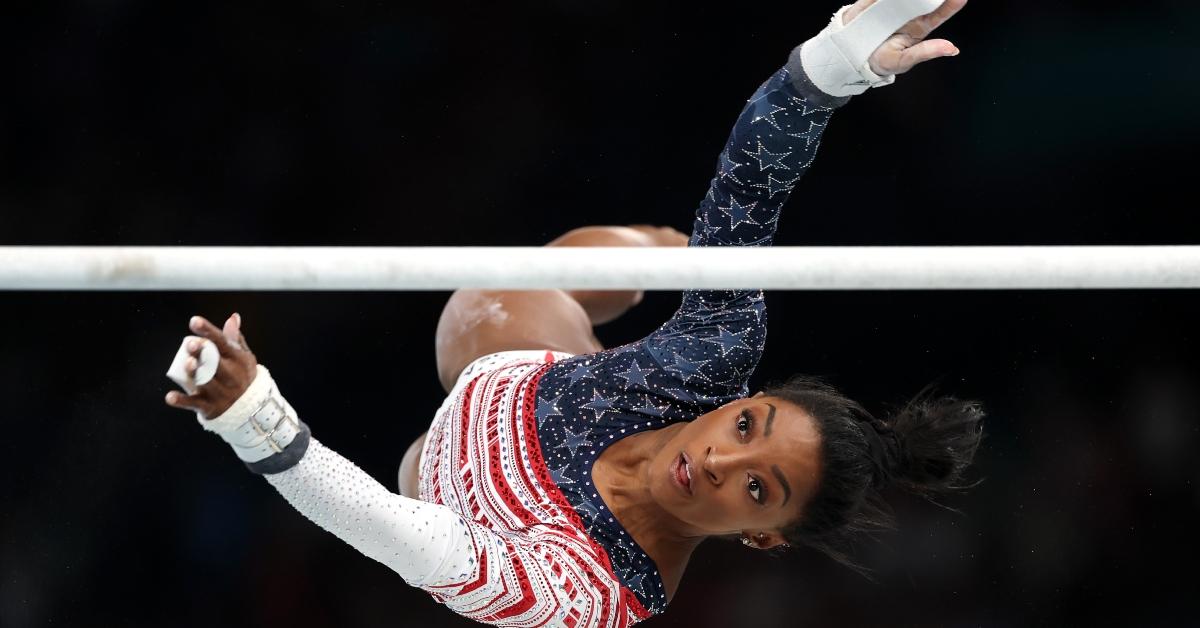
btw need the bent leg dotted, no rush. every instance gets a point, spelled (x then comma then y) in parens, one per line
(603, 306)
(409, 466)
(476, 323)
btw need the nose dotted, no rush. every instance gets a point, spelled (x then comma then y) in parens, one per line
(714, 466)
(719, 465)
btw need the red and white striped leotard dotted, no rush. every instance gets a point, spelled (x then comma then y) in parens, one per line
(482, 458)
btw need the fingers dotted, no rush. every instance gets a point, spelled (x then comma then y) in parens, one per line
(855, 9)
(234, 372)
(205, 329)
(176, 399)
(920, 27)
(231, 331)
(925, 51)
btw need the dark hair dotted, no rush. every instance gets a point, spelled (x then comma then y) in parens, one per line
(924, 448)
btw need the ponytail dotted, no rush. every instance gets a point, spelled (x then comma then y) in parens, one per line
(933, 441)
(924, 448)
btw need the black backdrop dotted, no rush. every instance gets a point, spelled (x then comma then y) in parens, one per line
(125, 122)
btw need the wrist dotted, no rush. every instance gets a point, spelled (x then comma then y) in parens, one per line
(261, 427)
(837, 60)
(803, 84)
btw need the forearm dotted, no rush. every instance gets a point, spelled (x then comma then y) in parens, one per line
(467, 567)
(424, 543)
(772, 144)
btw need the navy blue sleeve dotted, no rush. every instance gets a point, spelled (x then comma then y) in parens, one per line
(713, 342)
(704, 355)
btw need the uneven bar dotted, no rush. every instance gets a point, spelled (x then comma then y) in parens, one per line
(449, 268)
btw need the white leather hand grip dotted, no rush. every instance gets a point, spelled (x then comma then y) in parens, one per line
(836, 60)
(260, 424)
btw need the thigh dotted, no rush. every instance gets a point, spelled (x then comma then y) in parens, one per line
(410, 466)
(476, 323)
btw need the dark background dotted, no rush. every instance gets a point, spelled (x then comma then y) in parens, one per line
(316, 123)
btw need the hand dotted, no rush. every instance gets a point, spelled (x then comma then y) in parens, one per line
(235, 372)
(906, 48)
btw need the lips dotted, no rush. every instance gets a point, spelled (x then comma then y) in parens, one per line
(681, 472)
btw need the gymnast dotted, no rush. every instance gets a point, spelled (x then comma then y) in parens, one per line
(567, 484)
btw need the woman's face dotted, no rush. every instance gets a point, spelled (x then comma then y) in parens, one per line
(754, 464)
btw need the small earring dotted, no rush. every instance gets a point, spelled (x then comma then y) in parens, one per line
(747, 542)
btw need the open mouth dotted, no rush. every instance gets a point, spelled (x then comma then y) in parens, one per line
(683, 473)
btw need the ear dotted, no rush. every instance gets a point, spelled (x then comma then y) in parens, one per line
(757, 394)
(767, 539)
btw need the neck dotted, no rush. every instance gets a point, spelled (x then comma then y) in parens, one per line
(623, 479)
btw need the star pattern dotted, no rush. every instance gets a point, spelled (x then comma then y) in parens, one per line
(764, 110)
(738, 213)
(560, 476)
(547, 409)
(577, 406)
(725, 168)
(574, 441)
(634, 376)
(767, 159)
(689, 369)
(813, 134)
(728, 341)
(581, 371)
(775, 186)
(599, 405)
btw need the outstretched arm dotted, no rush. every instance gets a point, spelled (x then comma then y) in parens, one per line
(715, 339)
(500, 577)
(777, 134)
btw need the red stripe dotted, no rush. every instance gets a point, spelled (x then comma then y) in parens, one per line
(525, 480)
(499, 485)
(538, 464)
(527, 600)
(518, 425)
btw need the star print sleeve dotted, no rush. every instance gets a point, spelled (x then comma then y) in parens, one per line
(714, 341)
(772, 145)
(500, 579)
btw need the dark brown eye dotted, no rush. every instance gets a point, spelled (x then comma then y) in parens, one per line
(745, 421)
(755, 489)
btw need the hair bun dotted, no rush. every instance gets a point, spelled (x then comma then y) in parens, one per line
(931, 441)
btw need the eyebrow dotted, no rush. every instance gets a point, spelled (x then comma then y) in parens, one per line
(787, 489)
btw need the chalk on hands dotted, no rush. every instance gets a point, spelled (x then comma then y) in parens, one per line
(207, 364)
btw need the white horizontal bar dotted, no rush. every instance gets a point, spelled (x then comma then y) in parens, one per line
(448, 268)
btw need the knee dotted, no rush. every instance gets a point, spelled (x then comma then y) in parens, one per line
(603, 236)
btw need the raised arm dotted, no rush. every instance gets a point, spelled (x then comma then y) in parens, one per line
(715, 339)
(777, 134)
